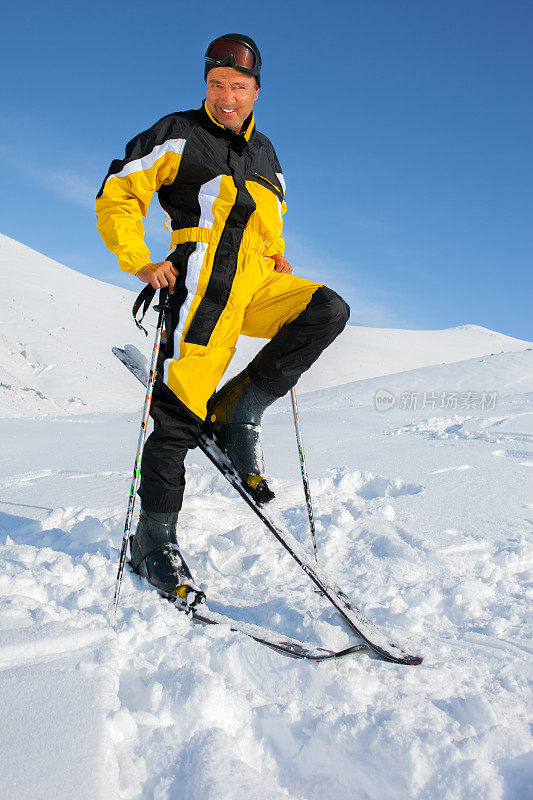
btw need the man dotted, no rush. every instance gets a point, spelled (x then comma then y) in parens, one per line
(220, 183)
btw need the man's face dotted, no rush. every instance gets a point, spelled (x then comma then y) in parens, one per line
(230, 96)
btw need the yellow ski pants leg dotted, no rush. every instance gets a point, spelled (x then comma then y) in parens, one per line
(196, 373)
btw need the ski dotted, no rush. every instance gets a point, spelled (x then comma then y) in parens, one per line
(359, 623)
(276, 641)
(352, 615)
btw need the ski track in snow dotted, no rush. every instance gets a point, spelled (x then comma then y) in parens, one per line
(423, 517)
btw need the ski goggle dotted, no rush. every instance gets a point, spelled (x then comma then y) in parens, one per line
(225, 53)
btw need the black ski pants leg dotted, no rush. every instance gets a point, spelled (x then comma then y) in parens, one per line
(175, 432)
(298, 344)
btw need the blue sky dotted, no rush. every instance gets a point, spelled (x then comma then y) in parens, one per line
(404, 130)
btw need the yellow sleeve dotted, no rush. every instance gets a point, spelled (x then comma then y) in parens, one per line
(127, 191)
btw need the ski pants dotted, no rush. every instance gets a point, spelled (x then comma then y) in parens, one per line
(299, 317)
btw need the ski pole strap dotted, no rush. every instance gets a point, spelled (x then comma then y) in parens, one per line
(143, 299)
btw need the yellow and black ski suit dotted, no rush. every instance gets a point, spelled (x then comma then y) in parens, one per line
(224, 197)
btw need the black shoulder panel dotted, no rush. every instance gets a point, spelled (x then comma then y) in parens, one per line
(173, 126)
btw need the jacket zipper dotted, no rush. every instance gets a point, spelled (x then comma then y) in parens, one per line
(266, 179)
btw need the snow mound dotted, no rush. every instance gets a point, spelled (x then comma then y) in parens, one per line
(473, 383)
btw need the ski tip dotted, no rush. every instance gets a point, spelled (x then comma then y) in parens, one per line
(393, 655)
(405, 659)
(413, 661)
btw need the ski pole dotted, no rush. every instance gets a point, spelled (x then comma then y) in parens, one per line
(303, 467)
(162, 307)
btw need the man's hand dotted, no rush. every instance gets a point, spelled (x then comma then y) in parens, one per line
(282, 265)
(159, 275)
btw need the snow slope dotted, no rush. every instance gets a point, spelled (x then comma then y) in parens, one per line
(423, 516)
(55, 323)
(57, 327)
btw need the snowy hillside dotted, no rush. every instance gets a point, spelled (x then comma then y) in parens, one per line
(470, 384)
(58, 327)
(423, 513)
(54, 340)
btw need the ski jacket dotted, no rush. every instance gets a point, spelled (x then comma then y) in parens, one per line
(217, 187)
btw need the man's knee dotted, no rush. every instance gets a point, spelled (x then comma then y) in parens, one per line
(327, 306)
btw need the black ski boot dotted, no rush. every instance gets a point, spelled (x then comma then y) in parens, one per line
(156, 556)
(234, 421)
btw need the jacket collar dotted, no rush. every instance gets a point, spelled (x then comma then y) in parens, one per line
(248, 126)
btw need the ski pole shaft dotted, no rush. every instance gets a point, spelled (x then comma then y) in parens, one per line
(162, 307)
(305, 477)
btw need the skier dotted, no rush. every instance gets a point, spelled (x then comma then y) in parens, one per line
(220, 183)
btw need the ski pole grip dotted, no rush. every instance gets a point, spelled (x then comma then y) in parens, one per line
(163, 303)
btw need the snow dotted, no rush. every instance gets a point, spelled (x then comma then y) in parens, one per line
(423, 514)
